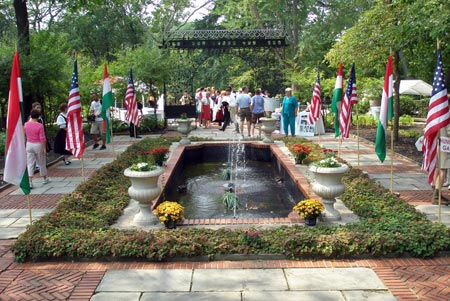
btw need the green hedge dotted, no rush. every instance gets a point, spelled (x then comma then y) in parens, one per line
(79, 227)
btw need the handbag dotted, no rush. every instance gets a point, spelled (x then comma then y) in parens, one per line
(91, 118)
(49, 146)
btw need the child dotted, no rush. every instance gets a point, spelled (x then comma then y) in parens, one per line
(226, 116)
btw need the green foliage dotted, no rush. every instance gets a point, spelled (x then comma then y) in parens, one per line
(150, 124)
(406, 120)
(119, 126)
(250, 238)
(363, 107)
(229, 200)
(226, 174)
(408, 105)
(366, 120)
(410, 133)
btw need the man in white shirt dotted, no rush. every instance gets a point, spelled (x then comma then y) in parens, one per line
(232, 107)
(97, 125)
(245, 114)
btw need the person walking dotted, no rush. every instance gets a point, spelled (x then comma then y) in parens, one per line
(60, 139)
(36, 147)
(206, 109)
(243, 106)
(134, 130)
(257, 108)
(226, 116)
(232, 107)
(439, 174)
(289, 112)
(37, 106)
(97, 125)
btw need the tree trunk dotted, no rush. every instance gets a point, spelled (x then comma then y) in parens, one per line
(396, 95)
(23, 27)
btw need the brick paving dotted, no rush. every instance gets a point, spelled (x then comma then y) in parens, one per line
(406, 278)
(41, 201)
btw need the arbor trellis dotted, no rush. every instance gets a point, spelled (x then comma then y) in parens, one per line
(214, 43)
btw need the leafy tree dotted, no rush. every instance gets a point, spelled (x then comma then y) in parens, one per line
(409, 29)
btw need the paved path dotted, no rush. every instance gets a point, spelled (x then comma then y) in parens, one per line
(374, 279)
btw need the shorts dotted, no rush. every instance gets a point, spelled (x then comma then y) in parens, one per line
(245, 113)
(97, 127)
(256, 116)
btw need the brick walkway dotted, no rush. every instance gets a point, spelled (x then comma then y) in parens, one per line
(406, 278)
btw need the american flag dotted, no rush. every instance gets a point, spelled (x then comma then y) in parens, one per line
(315, 108)
(438, 117)
(350, 98)
(130, 102)
(75, 134)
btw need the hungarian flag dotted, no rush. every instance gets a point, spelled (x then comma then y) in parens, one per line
(75, 134)
(130, 102)
(337, 98)
(107, 102)
(438, 117)
(350, 98)
(315, 108)
(15, 171)
(386, 112)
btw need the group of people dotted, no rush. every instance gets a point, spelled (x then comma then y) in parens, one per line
(37, 144)
(240, 108)
(227, 106)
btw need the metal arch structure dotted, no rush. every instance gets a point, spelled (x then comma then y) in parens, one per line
(215, 42)
(223, 39)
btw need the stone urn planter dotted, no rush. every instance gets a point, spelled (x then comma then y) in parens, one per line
(268, 126)
(144, 189)
(184, 128)
(328, 185)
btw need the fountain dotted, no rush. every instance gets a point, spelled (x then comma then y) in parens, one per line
(263, 187)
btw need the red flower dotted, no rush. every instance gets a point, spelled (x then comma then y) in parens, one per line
(299, 149)
(159, 151)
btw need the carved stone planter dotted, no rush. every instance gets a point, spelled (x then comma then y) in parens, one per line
(144, 189)
(268, 126)
(184, 128)
(327, 184)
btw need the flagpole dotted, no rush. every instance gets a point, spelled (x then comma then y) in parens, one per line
(357, 132)
(392, 159)
(339, 147)
(438, 179)
(29, 208)
(82, 169)
(438, 44)
(112, 136)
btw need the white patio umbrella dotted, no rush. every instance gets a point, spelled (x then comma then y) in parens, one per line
(415, 87)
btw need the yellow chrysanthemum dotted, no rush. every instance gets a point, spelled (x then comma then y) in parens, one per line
(309, 207)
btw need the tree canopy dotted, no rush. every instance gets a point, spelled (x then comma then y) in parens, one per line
(128, 33)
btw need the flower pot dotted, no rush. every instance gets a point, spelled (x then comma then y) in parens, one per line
(144, 189)
(311, 220)
(184, 128)
(327, 184)
(268, 126)
(170, 224)
(299, 158)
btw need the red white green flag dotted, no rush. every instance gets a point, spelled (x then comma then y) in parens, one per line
(15, 171)
(386, 111)
(337, 98)
(107, 102)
